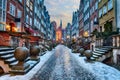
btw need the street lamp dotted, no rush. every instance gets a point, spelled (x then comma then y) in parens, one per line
(7, 27)
(86, 35)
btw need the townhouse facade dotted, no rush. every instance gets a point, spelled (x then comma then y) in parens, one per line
(93, 15)
(53, 27)
(81, 18)
(106, 14)
(86, 13)
(23, 17)
(75, 25)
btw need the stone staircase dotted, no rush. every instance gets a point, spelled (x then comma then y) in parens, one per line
(7, 59)
(101, 54)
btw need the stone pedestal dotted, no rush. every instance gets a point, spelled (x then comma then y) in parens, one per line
(34, 53)
(88, 54)
(82, 51)
(21, 54)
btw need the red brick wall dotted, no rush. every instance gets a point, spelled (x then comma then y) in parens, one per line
(4, 39)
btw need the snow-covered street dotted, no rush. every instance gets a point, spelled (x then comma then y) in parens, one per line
(62, 66)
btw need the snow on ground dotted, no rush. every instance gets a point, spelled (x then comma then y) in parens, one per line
(100, 70)
(32, 72)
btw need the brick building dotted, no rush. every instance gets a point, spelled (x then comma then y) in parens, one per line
(93, 15)
(13, 21)
(81, 18)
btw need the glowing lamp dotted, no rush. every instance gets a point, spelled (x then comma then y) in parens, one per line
(86, 34)
(7, 27)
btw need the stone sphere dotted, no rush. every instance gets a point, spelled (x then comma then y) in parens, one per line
(21, 53)
(34, 51)
(82, 51)
(88, 53)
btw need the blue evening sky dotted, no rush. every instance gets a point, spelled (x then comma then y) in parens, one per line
(62, 9)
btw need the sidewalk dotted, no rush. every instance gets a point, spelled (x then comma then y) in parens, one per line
(100, 70)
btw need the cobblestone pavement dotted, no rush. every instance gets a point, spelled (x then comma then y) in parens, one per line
(62, 66)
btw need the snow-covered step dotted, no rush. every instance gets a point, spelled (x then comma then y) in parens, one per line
(11, 60)
(7, 56)
(13, 63)
(5, 49)
(6, 52)
(97, 54)
(101, 50)
(94, 56)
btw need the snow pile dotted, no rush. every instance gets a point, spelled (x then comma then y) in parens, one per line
(32, 72)
(100, 70)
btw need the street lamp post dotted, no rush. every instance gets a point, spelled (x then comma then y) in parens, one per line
(67, 40)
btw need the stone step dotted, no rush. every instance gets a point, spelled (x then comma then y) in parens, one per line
(13, 63)
(7, 56)
(97, 54)
(6, 49)
(6, 52)
(94, 56)
(102, 50)
(11, 60)
(16, 71)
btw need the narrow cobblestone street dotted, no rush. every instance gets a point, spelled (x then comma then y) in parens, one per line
(62, 66)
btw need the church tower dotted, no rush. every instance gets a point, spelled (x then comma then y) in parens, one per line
(60, 24)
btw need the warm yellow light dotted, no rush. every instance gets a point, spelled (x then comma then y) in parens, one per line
(68, 36)
(15, 29)
(7, 27)
(58, 35)
(86, 34)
